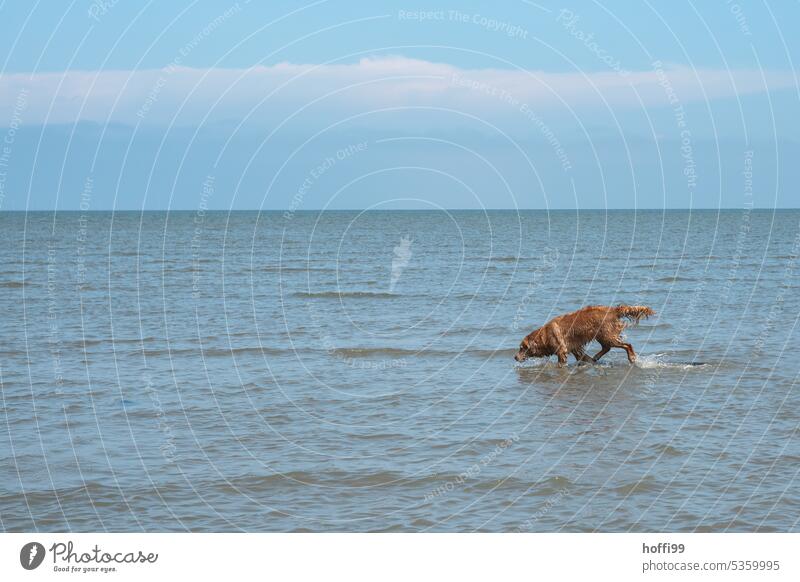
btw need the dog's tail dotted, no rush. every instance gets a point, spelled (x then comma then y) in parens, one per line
(634, 312)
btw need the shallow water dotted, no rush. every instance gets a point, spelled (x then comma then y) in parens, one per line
(354, 371)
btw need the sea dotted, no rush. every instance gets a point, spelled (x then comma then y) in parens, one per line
(332, 371)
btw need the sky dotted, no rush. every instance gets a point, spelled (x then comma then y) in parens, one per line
(115, 104)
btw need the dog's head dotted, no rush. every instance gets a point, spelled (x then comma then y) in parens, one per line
(529, 348)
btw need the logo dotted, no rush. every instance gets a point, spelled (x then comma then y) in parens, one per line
(31, 555)
(402, 256)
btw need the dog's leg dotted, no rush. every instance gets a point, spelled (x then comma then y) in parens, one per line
(628, 348)
(602, 352)
(561, 347)
(581, 356)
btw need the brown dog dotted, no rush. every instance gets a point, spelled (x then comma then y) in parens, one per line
(571, 332)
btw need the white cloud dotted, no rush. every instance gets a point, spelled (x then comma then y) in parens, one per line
(187, 95)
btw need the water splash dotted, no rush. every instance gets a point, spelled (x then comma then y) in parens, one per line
(644, 362)
(654, 361)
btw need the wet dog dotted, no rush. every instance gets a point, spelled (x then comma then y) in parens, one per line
(569, 333)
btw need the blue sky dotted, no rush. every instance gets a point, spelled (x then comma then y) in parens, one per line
(463, 105)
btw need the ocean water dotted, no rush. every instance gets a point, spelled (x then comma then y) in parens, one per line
(346, 371)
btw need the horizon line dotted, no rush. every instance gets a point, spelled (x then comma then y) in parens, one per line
(306, 210)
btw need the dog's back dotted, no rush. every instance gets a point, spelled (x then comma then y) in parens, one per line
(595, 321)
(600, 322)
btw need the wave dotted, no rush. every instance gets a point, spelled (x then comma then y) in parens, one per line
(470, 331)
(535, 488)
(13, 284)
(281, 269)
(128, 254)
(346, 295)
(370, 352)
(645, 485)
(470, 296)
(675, 279)
(347, 352)
(508, 259)
(332, 479)
(97, 493)
(668, 450)
(359, 352)
(389, 437)
(110, 341)
(502, 259)
(214, 352)
(429, 484)
(497, 353)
